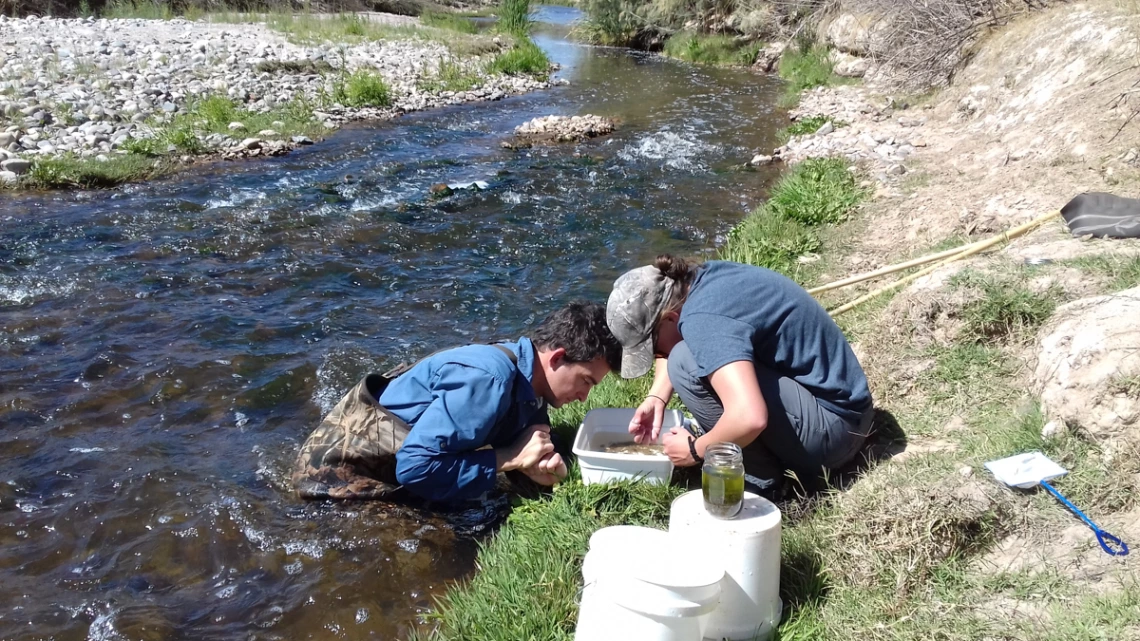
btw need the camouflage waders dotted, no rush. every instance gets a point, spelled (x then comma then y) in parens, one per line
(352, 453)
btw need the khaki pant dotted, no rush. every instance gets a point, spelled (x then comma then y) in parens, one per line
(352, 453)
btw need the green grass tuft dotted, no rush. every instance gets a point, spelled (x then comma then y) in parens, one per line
(710, 49)
(819, 191)
(363, 89)
(514, 17)
(524, 58)
(805, 68)
(1005, 311)
(1122, 272)
(88, 173)
(450, 76)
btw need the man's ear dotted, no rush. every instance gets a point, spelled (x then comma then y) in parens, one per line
(557, 357)
(672, 317)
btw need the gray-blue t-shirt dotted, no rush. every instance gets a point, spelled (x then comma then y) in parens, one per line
(737, 312)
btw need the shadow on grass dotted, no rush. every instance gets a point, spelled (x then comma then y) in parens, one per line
(886, 440)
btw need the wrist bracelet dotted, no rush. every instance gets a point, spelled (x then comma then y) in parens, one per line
(693, 451)
(658, 398)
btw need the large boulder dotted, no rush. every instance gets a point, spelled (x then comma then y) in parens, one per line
(1088, 371)
(859, 35)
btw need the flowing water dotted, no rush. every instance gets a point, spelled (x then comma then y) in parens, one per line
(165, 348)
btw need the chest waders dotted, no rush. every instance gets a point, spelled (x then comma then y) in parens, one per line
(352, 453)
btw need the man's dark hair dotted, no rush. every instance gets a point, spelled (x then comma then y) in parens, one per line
(580, 328)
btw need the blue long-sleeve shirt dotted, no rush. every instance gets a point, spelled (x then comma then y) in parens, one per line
(456, 402)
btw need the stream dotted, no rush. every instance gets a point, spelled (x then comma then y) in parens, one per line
(166, 347)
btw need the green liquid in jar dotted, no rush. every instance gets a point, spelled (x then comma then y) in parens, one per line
(723, 491)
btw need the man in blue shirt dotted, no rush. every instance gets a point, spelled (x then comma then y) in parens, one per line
(444, 428)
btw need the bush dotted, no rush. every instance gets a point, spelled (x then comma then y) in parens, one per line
(524, 57)
(613, 22)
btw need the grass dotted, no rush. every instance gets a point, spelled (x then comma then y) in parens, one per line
(807, 126)
(817, 192)
(448, 21)
(350, 28)
(1005, 309)
(88, 173)
(514, 17)
(450, 75)
(710, 49)
(138, 9)
(1119, 272)
(805, 67)
(524, 57)
(363, 88)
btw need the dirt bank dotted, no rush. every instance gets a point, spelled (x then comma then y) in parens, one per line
(979, 351)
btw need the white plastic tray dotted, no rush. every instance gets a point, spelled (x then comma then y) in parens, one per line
(603, 427)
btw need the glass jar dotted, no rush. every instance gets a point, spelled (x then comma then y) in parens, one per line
(722, 480)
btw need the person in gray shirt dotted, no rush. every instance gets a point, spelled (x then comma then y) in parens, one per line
(754, 358)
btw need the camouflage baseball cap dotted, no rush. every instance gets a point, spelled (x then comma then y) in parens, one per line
(635, 304)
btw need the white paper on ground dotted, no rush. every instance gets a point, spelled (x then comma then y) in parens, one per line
(1025, 470)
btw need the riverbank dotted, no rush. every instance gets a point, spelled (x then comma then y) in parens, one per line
(964, 365)
(96, 102)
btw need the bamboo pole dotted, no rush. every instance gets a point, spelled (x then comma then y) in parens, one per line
(967, 252)
(890, 269)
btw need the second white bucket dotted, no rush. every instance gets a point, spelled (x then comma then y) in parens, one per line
(632, 593)
(748, 549)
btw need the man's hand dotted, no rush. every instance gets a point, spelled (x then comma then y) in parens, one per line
(646, 423)
(550, 470)
(531, 447)
(676, 444)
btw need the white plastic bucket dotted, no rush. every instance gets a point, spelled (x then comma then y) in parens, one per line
(747, 548)
(632, 593)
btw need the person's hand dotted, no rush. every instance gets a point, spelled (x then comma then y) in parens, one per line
(549, 470)
(531, 447)
(647, 418)
(676, 443)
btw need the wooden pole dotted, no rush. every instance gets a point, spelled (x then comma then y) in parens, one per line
(967, 252)
(890, 269)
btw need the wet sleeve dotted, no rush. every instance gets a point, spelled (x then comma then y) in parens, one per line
(717, 340)
(440, 459)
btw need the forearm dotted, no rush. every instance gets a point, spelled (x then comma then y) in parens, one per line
(732, 428)
(662, 387)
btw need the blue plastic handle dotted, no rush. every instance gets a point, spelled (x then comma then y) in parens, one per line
(1109, 543)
